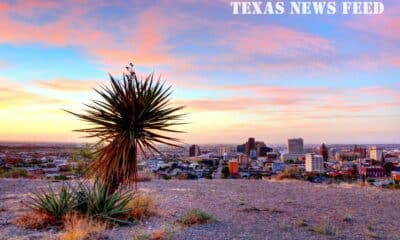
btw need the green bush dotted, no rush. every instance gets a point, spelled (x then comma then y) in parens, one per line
(393, 186)
(225, 172)
(96, 202)
(13, 173)
(52, 204)
(60, 177)
(166, 177)
(195, 216)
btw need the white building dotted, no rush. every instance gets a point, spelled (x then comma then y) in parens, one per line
(376, 153)
(295, 146)
(314, 163)
(222, 150)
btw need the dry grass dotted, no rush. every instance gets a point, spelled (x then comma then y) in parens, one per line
(325, 228)
(141, 206)
(301, 222)
(195, 216)
(348, 215)
(13, 173)
(161, 234)
(35, 220)
(82, 228)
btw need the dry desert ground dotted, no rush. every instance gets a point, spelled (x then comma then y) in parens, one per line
(243, 209)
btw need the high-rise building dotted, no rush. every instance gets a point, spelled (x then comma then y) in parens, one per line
(323, 151)
(361, 151)
(295, 146)
(314, 163)
(376, 153)
(332, 152)
(253, 154)
(264, 150)
(222, 150)
(194, 150)
(250, 145)
(241, 148)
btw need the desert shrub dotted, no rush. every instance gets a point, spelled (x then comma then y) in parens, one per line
(14, 173)
(82, 228)
(161, 234)
(289, 173)
(195, 216)
(166, 177)
(225, 172)
(393, 186)
(95, 201)
(325, 228)
(371, 180)
(60, 177)
(52, 204)
(141, 206)
(348, 215)
(207, 176)
(301, 222)
(79, 169)
(34, 220)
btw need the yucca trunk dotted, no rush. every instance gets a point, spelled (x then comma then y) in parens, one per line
(116, 179)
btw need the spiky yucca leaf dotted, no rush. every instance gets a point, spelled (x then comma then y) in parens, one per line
(96, 201)
(52, 204)
(132, 115)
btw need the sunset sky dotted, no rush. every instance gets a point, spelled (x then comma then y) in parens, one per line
(332, 79)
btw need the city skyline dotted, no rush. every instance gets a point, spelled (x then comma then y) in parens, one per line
(328, 79)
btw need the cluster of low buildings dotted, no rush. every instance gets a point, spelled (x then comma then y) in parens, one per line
(336, 161)
(252, 159)
(191, 167)
(38, 161)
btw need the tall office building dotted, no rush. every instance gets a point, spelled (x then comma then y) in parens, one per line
(295, 146)
(376, 153)
(323, 151)
(314, 163)
(361, 151)
(194, 150)
(250, 145)
(263, 151)
(222, 150)
(241, 148)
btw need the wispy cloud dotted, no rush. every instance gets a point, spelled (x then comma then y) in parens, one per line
(68, 85)
(11, 98)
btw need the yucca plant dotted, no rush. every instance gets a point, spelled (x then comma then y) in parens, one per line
(51, 203)
(95, 201)
(131, 116)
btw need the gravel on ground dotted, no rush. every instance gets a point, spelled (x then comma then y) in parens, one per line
(243, 209)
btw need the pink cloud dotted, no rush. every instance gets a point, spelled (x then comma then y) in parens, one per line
(378, 90)
(67, 85)
(386, 25)
(346, 106)
(61, 32)
(10, 97)
(235, 103)
(278, 42)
